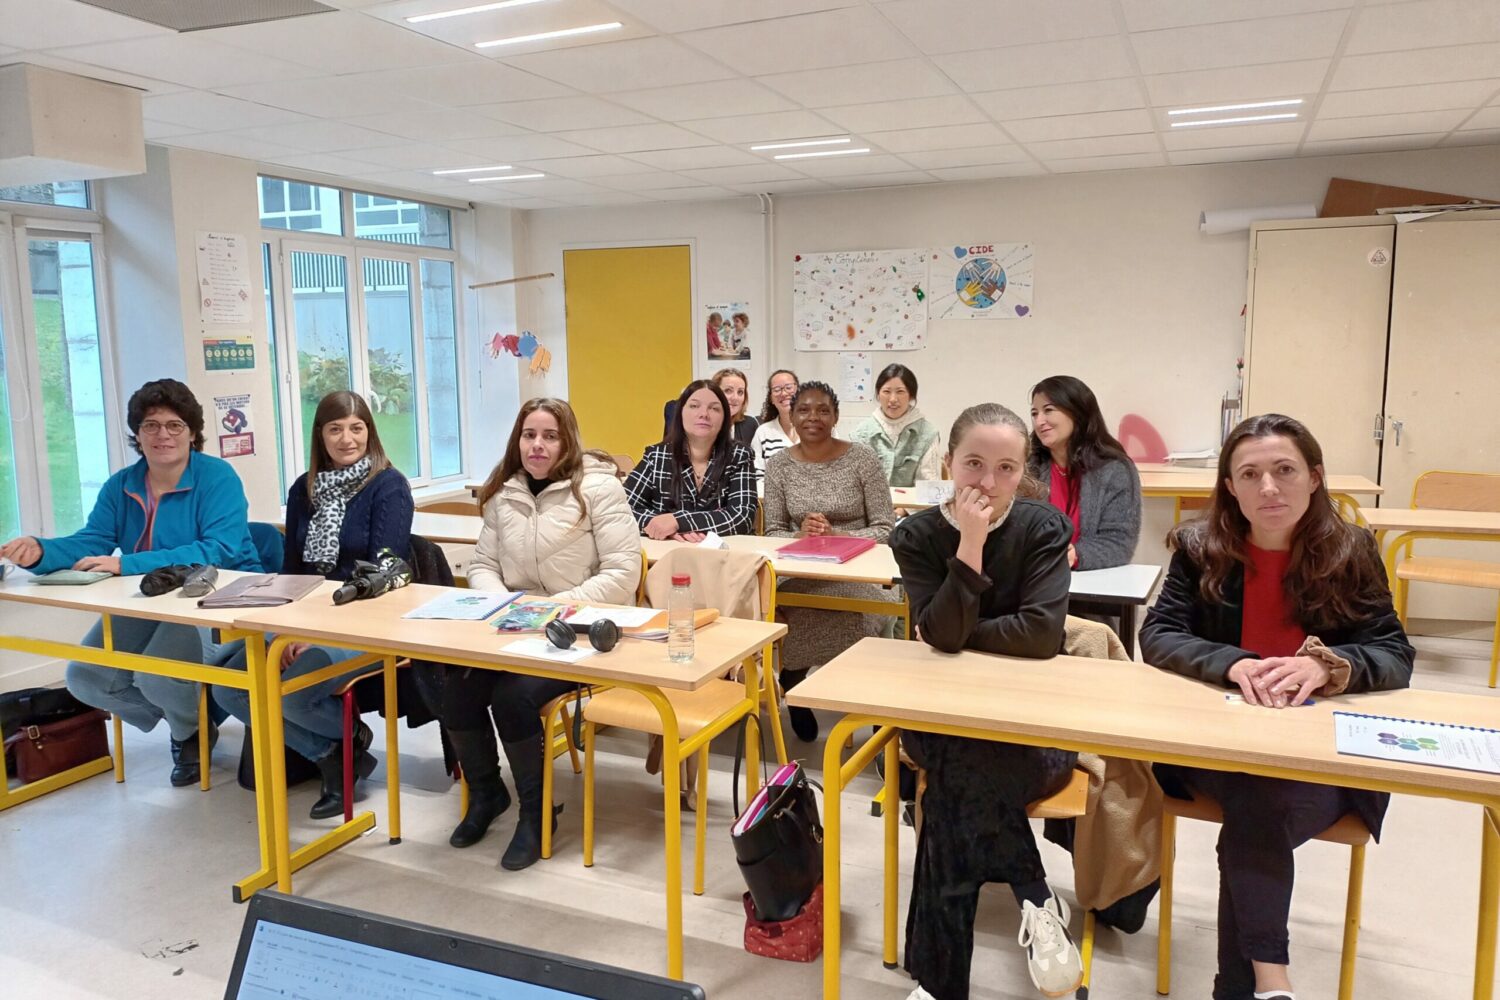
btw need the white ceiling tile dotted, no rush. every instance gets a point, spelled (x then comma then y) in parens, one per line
(862, 84)
(518, 202)
(689, 15)
(1149, 15)
(1411, 123)
(848, 166)
(1039, 65)
(805, 186)
(323, 163)
(519, 147)
(339, 42)
(1236, 84)
(1087, 97)
(904, 178)
(1080, 126)
(605, 198)
(228, 144)
(512, 22)
(145, 84)
(1110, 145)
(328, 97)
(636, 64)
(1396, 27)
(698, 192)
(653, 181)
(557, 114)
(1025, 168)
(808, 41)
(978, 156)
(1477, 137)
(1233, 154)
(187, 59)
(714, 97)
(1397, 100)
(318, 136)
(749, 174)
(594, 167)
(915, 112)
(31, 24)
(1439, 65)
(1371, 144)
(437, 124)
(153, 130)
(1127, 161)
(1486, 118)
(1216, 136)
(1265, 40)
(211, 112)
(475, 81)
(549, 187)
(634, 138)
(939, 26)
(698, 157)
(942, 137)
(765, 128)
(420, 156)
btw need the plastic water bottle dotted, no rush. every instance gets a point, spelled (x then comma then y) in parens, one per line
(680, 619)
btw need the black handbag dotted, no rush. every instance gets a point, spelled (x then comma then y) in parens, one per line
(781, 854)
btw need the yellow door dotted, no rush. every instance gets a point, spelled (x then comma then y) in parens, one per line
(630, 341)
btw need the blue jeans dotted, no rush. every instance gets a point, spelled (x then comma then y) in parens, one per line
(314, 719)
(140, 699)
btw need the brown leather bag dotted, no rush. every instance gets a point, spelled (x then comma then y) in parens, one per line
(52, 747)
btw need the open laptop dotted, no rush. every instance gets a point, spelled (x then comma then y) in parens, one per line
(300, 949)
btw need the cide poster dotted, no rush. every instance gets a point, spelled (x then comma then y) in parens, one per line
(981, 281)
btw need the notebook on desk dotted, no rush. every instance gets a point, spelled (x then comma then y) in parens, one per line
(1414, 741)
(826, 548)
(299, 948)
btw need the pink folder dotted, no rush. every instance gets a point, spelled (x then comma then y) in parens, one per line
(826, 548)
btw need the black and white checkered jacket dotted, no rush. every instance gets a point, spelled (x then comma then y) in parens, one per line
(727, 504)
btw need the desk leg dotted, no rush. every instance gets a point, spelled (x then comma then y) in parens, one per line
(265, 806)
(275, 745)
(892, 846)
(393, 752)
(1489, 906)
(833, 796)
(671, 772)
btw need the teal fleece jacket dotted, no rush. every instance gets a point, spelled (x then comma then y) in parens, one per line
(204, 520)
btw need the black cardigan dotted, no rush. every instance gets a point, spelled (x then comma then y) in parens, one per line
(1015, 608)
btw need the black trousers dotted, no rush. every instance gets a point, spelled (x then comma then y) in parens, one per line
(974, 830)
(471, 695)
(1265, 820)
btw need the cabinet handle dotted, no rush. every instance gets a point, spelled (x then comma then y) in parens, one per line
(1396, 425)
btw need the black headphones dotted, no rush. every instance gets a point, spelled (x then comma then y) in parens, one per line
(603, 634)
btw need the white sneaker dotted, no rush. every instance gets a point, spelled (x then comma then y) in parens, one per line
(1056, 967)
(920, 994)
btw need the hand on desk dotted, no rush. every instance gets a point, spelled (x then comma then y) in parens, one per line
(99, 564)
(692, 537)
(815, 524)
(24, 551)
(661, 526)
(1279, 681)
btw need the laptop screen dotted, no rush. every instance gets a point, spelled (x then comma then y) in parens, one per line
(298, 949)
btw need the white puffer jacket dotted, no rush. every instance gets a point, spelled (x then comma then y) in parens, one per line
(539, 544)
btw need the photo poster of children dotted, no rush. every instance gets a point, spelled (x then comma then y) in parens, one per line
(727, 332)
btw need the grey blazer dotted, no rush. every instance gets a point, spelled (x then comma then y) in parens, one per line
(1109, 513)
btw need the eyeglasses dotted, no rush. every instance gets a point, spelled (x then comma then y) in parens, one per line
(150, 428)
(783, 390)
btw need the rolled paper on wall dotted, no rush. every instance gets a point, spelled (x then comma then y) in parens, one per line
(1234, 220)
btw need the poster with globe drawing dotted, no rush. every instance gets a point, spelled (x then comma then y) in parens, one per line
(860, 300)
(981, 281)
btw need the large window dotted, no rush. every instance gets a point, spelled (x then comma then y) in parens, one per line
(376, 313)
(65, 194)
(306, 208)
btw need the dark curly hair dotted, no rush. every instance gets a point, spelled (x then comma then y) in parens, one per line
(167, 393)
(816, 386)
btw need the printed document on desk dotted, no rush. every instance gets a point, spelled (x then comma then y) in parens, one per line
(1413, 741)
(464, 605)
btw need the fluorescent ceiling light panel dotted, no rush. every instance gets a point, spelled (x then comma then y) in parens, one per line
(470, 170)
(507, 177)
(544, 35)
(461, 11)
(824, 152)
(800, 142)
(1236, 121)
(1238, 107)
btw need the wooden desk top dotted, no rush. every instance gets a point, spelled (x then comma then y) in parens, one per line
(457, 528)
(378, 623)
(1182, 481)
(1474, 522)
(121, 595)
(1132, 706)
(877, 566)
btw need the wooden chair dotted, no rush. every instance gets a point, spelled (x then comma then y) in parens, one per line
(1453, 491)
(452, 507)
(1348, 830)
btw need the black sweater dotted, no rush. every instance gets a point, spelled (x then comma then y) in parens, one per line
(1015, 608)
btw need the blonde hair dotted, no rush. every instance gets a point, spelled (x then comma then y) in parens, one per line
(718, 380)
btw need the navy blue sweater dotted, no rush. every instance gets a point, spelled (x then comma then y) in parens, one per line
(377, 517)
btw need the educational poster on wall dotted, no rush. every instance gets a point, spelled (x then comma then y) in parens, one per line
(224, 288)
(855, 376)
(981, 281)
(226, 354)
(236, 436)
(860, 300)
(727, 332)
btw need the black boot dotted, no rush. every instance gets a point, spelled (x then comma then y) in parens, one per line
(527, 758)
(185, 764)
(479, 756)
(331, 768)
(804, 723)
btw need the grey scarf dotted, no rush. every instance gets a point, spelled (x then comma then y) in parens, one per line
(332, 491)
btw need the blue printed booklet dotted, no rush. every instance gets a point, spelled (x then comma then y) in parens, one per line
(464, 605)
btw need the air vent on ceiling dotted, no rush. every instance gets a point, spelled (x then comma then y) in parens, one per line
(196, 15)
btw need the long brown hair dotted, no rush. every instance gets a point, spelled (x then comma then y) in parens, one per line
(569, 463)
(1334, 575)
(337, 406)
(718, 380)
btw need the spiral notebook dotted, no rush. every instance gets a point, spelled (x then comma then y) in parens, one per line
(1413, 741)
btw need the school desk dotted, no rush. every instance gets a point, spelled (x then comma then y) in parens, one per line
(376, 627)
(1120, 709)
(1396, 528)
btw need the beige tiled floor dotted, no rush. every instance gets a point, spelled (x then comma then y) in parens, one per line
(122, 891)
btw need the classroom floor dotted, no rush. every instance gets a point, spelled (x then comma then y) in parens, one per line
(121, 891)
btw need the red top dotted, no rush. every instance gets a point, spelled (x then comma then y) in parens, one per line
(1062, 495)
(1267, 626)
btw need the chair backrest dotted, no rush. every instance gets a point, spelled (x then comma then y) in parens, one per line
(1475, 491)
(269, 545)
(429, 564)
(739, 584)
(1141, 440)
(452, 507)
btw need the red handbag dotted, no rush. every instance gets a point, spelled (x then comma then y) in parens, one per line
(50, 748)
(798, 939)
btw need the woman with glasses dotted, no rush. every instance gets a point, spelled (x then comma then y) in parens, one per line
(776, 431)
(175, 505)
